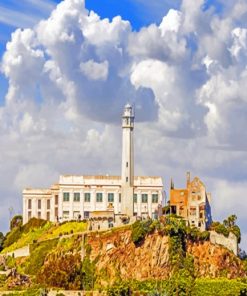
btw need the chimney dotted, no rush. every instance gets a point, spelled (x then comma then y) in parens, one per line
(188, 178)
(172, 184)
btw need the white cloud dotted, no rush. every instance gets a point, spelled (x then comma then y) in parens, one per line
(95, 71)
(171, 22)
(70, 76)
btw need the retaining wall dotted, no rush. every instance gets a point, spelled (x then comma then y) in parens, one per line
(230, 242)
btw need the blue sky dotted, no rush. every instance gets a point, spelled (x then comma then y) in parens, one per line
(14, 14)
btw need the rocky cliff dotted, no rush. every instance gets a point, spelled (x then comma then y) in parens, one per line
(118, 257)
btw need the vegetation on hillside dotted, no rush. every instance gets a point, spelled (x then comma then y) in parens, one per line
(56, 257)
(228, 225)
(39, 230)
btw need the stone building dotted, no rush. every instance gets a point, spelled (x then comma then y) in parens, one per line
(192, 203)
(85, 196)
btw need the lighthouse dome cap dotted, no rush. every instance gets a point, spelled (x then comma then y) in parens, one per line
(128, 105)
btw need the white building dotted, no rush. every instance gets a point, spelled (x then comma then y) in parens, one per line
(87, 196)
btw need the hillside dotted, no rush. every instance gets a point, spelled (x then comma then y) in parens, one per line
(145, 256)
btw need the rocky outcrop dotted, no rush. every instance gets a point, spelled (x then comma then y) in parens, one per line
(117, 256)
(214, 261)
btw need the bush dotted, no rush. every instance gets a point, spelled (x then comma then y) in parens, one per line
(33, 223)
(219, 287)
(119, 289)
(205, 235)
(16, 221)
(12, 236)
(62, 271)
(221, 229)
(88, 274)
(38, 254)
(139, 230)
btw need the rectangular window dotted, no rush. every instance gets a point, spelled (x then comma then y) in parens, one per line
(66, 214)
(192, 211)
(87, 197)
(48, 204)
(29, 215)
(99, 197)
(77, 196)
(127, 164)
(56, 213)
(39, 215)
(66, 196)
(155, 198)
(119, 197)
(110, 197)
(173, 210)
(29, 204)
(135, 198)
(39, 204)
(56, 199)
(127, 179)
(86, 214)
(48, 216)
(144, 198)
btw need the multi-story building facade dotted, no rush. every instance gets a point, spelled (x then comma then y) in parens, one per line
(192, 203)
(86, 196)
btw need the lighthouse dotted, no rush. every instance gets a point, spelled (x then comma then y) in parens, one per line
(127, 177)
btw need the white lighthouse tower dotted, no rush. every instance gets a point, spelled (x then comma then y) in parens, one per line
(128, 161)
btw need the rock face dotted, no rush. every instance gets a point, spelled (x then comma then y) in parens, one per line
(214, 261)
(117, 256)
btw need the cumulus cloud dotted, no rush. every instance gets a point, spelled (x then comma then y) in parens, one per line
(71, 74)
(95, 71)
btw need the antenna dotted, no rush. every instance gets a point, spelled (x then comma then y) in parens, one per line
(11, 211)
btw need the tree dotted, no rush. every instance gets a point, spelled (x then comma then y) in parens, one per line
(16, 221)
(1, 241)
(230, 221)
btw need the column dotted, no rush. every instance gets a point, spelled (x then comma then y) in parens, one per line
(149, 205)
(60, 205)
(71, 203)
(93, 200)
(116, 201)
(82, 203)
(43, 207)
(34, 207)
(105, 199)
(139, 203)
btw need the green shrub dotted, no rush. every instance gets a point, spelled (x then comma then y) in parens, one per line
(2, 280)
(32, 224)
(205, 235)
(119, 289)
(236, 230)
(219, 287)
(61, 271)
(11, 262)
(88, 274)
(221, 229)
(12, 236)
(38, 254)
(140, 229)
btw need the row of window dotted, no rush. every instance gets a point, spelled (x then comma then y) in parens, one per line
(87, 198)
(110, 197)
(48, 204)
